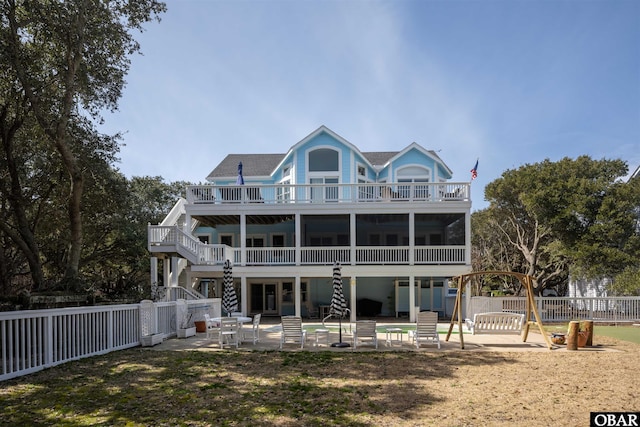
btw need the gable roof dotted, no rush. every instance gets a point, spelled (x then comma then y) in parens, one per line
(379, 158)
(263, 165)
(252, 165)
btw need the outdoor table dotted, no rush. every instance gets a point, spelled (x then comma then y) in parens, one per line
(322, 334)
(241, 321)
(394, 333)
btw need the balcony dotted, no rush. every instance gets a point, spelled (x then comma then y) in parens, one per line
(328, 193)
(171, 239)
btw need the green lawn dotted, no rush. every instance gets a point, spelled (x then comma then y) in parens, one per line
(625, 333)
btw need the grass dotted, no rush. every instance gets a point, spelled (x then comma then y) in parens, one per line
(624, 333)
(142, 387)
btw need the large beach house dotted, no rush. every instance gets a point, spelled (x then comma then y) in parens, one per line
(393, 220)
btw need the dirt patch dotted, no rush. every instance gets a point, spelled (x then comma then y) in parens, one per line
(321, 388)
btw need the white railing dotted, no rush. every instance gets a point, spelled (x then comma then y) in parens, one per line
(175, 293)
(32, 340)
(212, 254)
(563, 309)
(267, 256)
(382, 255)
(171, 235)
(324, 255)
(217, 254)
(321, 193)
(440, 255)
(176, 212)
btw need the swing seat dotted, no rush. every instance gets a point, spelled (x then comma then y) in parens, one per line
(498, 323)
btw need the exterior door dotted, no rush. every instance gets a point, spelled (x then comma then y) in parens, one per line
(263, 298)
(402, 295)
(432, 296)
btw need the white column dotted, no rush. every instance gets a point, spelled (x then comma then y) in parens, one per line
(467, 240)
(412, 238)
(244, 292)
(412, 298)
(243, 239)
(174, 270)
(352, 233)
(298, 234)
(352, 284)
(166, 272)
(298, 293)
(153, 273)
(187, 224)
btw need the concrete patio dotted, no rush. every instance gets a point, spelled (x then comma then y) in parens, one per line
(270, 340)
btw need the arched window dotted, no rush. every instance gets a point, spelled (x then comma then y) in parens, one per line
(414, 175)
(323, 160)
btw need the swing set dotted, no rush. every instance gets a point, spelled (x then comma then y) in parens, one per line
(490, 320)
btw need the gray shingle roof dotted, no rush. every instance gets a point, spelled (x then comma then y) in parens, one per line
(379, 158)
(252, 165)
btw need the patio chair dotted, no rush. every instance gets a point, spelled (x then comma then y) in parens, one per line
(228, 332)
(312, 311)
(365, 332)
(292, 331)
(252, 333)
(426, 329)
(213, 329)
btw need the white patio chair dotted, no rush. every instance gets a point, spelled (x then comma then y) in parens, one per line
(228, 332)
(292, 331)
(252, 333)
(213, 329)
(426, 329)
(365, 332)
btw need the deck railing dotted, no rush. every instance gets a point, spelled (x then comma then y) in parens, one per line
(207, 254)
(563, 309)
(32, 340)
(322, 193)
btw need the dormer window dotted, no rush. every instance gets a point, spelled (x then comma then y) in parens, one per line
(324, 170)
(414, 175)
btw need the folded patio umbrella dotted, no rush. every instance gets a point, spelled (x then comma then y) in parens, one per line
(338, 306)
(229, 297)
(240, 179)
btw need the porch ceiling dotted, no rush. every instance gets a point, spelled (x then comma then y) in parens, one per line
(215, 220)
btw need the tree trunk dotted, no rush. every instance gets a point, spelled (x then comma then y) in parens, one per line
(24, 237)
(75, 221)
(55, 127)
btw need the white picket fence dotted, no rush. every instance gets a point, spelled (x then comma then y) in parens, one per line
(563, 309)
(32, 340)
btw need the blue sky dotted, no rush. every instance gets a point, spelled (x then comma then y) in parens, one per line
(508, 82)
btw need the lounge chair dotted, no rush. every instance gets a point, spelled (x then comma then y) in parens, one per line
(292, 331)
(365, 332)
(426, 329)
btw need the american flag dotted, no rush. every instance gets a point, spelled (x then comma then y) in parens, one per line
(474, 171)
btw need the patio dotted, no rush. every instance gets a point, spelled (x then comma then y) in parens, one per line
(270, 340)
